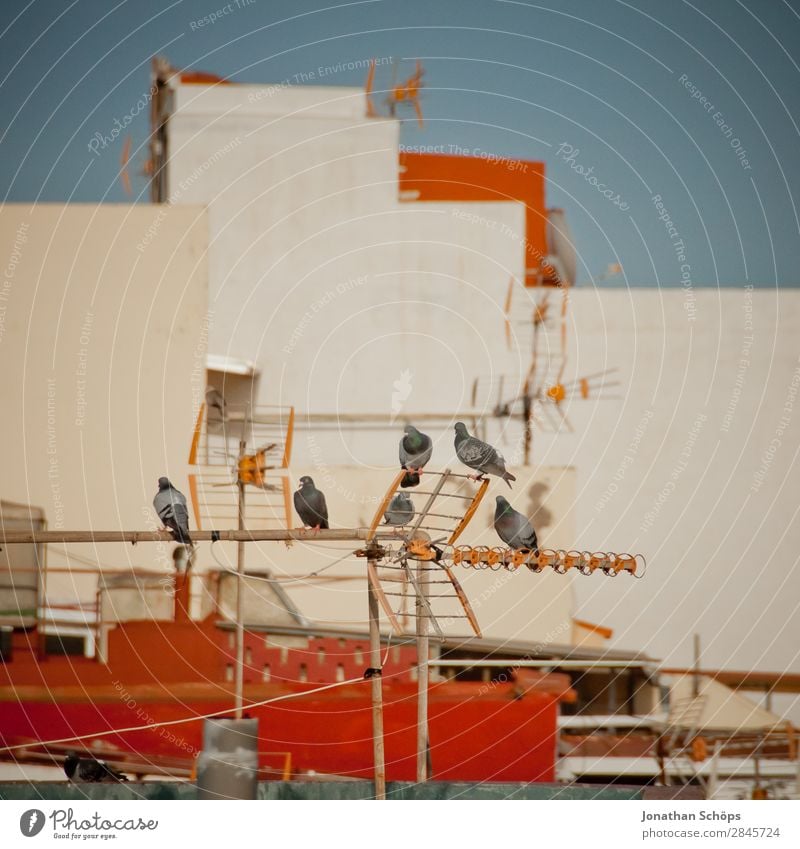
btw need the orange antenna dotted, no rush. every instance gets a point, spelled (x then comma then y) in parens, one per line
(124, 176)
(371, 113)
(409, 92)
(507, 311)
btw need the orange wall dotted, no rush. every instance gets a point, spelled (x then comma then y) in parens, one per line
(441, 177)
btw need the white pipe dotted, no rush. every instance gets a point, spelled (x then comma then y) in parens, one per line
(555, 662)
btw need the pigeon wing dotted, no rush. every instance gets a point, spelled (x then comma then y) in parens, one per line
(311, 508)
(162, 504)
(515, 530)
(495, 464)
(303, 510)
(475, 453)
(321, 507)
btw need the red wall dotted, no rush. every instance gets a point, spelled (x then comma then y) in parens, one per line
(441, 177)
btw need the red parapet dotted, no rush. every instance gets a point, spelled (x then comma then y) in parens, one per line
(445, 177)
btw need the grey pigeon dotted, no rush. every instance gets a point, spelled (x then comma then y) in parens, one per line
(513, 528)
(415, 452)
(310, 505)
(170, 504)
(480, 455)
(400, 510)
(215, 401)
(90, 770)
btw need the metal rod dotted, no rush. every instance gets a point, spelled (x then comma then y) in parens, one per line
(422, 675)
(227, 535)
(376, 686)
(696, 667)
(240, 557)
(431, 498)
(554, 662)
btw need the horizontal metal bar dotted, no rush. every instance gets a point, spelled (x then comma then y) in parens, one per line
(430, 595)
(444, 516)
(445, 494)
(279, 535)
(437, 616)
(555, 662)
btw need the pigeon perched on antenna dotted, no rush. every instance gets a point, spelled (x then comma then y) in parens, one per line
(415, 452)
(91, 770)
(170, 504)
(310, 505)
(513, 528)
(479, 455)
(215, 401)
(400, 510)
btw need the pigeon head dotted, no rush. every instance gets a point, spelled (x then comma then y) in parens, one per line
(502, 505)
(70, 764)
(163, 483)
(410, 429)
(461, 429)
(306, 481)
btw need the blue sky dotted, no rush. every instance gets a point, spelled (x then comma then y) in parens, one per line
(697, 104)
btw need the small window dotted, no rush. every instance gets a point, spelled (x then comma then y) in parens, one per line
(320, 656)
(266, 674)
(231, 640)
(229, 672)
(340, 672)
(342, 643)
(284, 654)
(358, 654)
(412, 672)
(302, 675)
(58, 644)
(248, 655)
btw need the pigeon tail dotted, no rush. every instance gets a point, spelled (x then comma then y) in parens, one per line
(410, 479)
(180, 534)
(508, 477)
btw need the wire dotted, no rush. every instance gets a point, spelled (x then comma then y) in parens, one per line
(180, 721)
(289, 580)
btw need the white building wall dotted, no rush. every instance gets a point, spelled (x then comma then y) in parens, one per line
(306, 201)
(102, 354)
(695, 466)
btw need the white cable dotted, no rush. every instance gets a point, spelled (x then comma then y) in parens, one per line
(289, 580)
(180, 721)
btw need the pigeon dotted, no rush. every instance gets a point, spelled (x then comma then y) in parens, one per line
(170, 504)
(310, 505)
(479, 455)
(91, 770)
(400, 510)
(215, 400)
(513, 528)
(415, 451)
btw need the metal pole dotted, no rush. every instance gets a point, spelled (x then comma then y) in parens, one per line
(528, 430)
(696, 675)
(376, 686)
(239, 599)
(226, 535)
(712, 785)
(422, 674)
